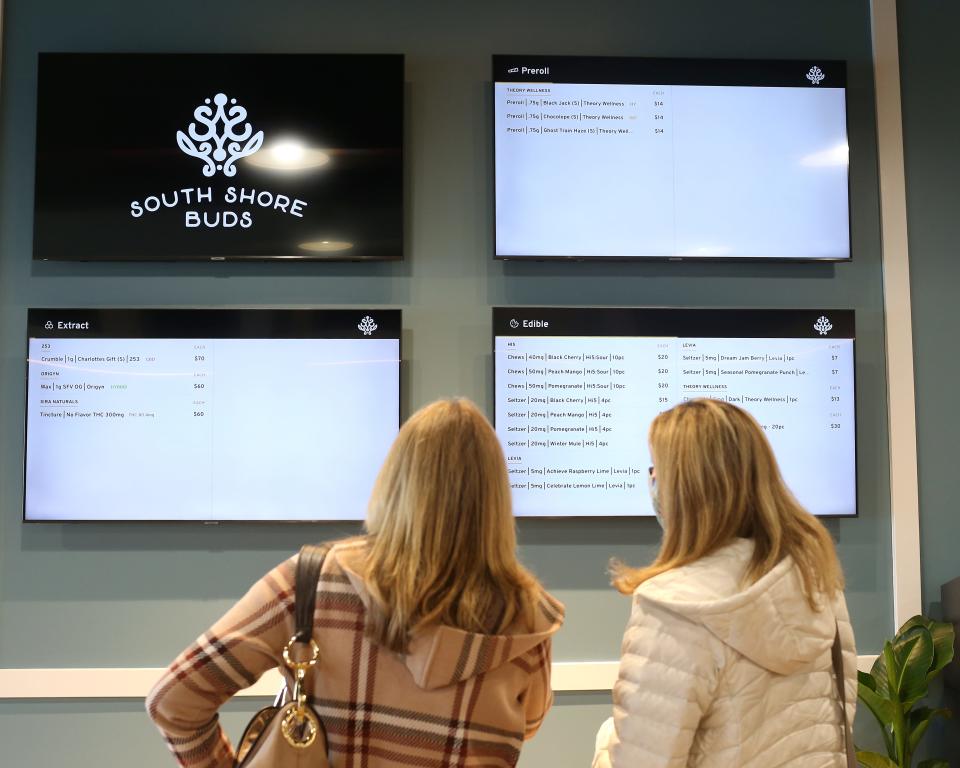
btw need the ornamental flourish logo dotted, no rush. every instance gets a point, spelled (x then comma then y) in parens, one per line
(218, 141)
(367, 326)
(823, 326)
(816, 76)
(514, 323)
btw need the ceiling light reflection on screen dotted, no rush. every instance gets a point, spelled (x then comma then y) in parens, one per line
(289, 155)
(325, 246)
(835, 156)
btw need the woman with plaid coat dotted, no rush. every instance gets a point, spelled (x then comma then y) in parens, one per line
(434, 641)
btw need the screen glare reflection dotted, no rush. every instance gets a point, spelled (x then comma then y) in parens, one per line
(289, 155)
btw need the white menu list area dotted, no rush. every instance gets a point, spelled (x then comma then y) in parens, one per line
(207, 429)
(670, 171)
(573, 414)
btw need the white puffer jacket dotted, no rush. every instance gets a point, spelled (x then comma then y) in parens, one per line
(715, 675)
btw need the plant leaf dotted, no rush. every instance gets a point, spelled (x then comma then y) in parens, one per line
(887, 686)
(915, 621)
(943, 637)
(934, 763)
(899, 679)
(919, 720)
(875, 760)
(879, 674)
(898, 739)
(881, 708)
(914, 654)
(942, 633)
(888, 742)
(917, 733)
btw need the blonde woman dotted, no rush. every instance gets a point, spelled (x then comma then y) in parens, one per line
(727, 657)
(434, 641)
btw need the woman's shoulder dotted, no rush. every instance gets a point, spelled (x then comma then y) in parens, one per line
(717, 576)
(342, 563)
(550, 612)
(345, 554)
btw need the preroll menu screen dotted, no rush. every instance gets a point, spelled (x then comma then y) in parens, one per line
(662, 158)
(577, 389)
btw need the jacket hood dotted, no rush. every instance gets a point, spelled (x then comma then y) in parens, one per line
(770, 621)
(441, 655)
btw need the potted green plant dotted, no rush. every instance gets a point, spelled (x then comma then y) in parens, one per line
(898, 681)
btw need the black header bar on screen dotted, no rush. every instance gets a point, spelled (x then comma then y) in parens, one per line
(798, 73)
(214, 323)
(686, 323)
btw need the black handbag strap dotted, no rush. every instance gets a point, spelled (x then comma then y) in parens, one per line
(837, 654)
(309, 563)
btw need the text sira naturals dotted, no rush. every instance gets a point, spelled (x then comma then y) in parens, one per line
(235, 196)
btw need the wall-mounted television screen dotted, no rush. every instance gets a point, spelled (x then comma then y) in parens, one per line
(577, 389)
(163, 157)
(623, 158)
(208, 415)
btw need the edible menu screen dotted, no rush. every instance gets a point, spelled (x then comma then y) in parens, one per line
(577, 389)
(670, 158)
(219, 156)
(254, 415)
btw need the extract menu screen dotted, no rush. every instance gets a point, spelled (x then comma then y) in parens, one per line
(577, 390)
(208, 415)
(670, 158)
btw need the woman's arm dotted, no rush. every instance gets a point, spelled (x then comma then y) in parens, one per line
(849, 647)
(232, 655)
(669, 671)
(538, 698)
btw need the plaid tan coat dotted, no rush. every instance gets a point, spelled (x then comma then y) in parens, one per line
(456, 699)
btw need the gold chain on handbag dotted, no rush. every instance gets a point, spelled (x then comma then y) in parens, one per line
(290, 734)
(300, 725)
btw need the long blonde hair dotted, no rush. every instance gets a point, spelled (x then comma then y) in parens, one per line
(441, 536)
(717, 480)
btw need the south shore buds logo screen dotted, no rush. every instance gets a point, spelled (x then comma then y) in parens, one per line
(170, 157)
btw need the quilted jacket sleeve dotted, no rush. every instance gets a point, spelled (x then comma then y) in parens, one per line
(849, 646)
(669, 672)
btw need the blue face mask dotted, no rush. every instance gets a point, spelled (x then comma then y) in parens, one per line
(655, 498)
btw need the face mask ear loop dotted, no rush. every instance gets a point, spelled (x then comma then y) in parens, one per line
(655, 497)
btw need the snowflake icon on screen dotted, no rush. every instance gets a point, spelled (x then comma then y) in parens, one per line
(823, 326)
(816, 76)
(48, 325)
(367, 326)
(514, 324)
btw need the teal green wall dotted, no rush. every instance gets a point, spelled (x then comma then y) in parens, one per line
(134, 595)
(931, 119)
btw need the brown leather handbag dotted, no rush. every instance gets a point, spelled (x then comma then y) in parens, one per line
(290, 734)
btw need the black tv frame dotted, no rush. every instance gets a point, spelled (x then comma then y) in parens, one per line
(391, 321)
(612, 320)
(395, 60)
(677, 71)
